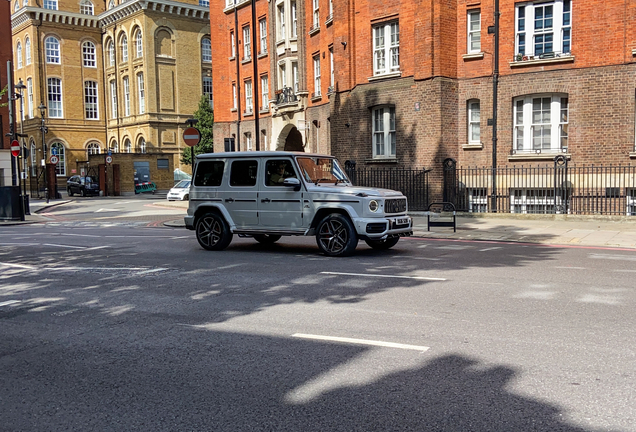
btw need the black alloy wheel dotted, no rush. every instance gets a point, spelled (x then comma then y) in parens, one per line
(83, 192)
(213, 233)
(336, 236)
(70, 192)
(383, 244)
(266, 238)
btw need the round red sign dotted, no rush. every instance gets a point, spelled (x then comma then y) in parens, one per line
(191, 136)
(54, 159)
(15, 148)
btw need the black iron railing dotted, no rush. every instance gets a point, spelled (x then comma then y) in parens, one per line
(286, 96)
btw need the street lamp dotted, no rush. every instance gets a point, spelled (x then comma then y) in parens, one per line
(20, 87)
(44, 130)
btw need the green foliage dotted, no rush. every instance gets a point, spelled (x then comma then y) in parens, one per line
(205, 116)
(2, 93)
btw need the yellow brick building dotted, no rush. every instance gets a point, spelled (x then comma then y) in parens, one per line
(120, 76)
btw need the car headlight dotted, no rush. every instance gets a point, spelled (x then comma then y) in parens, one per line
(374, 206)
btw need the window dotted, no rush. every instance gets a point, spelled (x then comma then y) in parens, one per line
(88, 54)
(52, 46)
(317, 76)
(544, 29)
(50, 4)
(477, 200)
(281, 22)
(124, 48)
(30, 96)
(204, 3)
(332, 78)
(113, 99)
(248, 141)
(86, 8)
(282, 75)
(19, 55)
(206, 50)
(93, 148)
(264, 94)
(142, 93)
(538, 201)
(262, 25)
(232, 45)
(27, 50)
(16, 7)
(384, 132)
(474, 31)
(127, 146)
(142, 145)
(294, 16)
(163, 164)
(247, 45)
(111, 4)
(114, 147)
(139, 44)
(209, 173)
(34, 159)
(126, 96)
(248, 97)
(207, 89)
(474, 133)
(316, 22)
(54, 97)
(233, 96)
(111, 53)
(58, 150)
(90, 100)
(243, 173)
(295, 76)
(277, 170)
(541, 123)
(386, 56)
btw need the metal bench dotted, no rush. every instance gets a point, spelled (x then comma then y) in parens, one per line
(444, 210)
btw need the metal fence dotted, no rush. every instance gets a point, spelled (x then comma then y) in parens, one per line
(558, 189)
(413, 183)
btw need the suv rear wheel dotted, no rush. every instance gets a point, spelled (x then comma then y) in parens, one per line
(266, 238)
(213, 233)
(336, 235)
(70, 192)
(383, 244)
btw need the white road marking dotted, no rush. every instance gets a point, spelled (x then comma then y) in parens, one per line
(489, 249)
(362, 342)
(384, 276)
(17, 266)
(101, 210)
(625, 271)
(65, 246)
(10, 302)
(614, 257)
(19, 244)
(571, 268)
(142, 270)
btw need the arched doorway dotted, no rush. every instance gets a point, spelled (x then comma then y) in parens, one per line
(290, 139)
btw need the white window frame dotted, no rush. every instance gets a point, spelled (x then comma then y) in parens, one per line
(294, 20)
(262, 25)
(60, 152)
(124, 49)
(207, 89)
(142, 145)
(332, 76)
(281, 22)
(52, 45)
(477, 199)
(29, 84)
(206, 50)
(527, 36)
(87, 8)
(111, 4)
(127, 146)
(27, 50)
(295, 77)
(383, 131)
(539, 128)
(317, 83)
(474, 31)
(386, 48)
(34, 159)
(247, 43)
(524, 200)
(204, 3)
(126, 82)
(91, 102)
(234, 96)
(110, 47)
(141, 90)
(54, 97)
(139, 44)
(113, 99)
(232, 45)
(474, 124)
(248, 141)
(316, 13)
(19, 54)
(89, 58)
(282, 75)
(264, 93)
(50, 4)
(93, 148)
(249, 101)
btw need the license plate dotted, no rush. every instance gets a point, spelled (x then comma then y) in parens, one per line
(403, 221)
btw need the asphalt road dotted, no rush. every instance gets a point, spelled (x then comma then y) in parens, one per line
(137, 328)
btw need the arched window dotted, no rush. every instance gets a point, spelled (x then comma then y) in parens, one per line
(127, 146)
(52, 46)
(34, 160)
(206, 50)
(88, 54)
(17, 6)
(25, 3)
(142, 145)
(93, 148)
(139, 47)
(86, 7)
(111, 4)
(124, 48)
(110, 47)
(58, 150)
(19, 54)
(27, 50)
(114, 147)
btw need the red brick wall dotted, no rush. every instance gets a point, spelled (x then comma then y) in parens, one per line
(5, 55)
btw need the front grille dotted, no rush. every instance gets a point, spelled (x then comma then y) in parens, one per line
(376, 228)
(395, 205)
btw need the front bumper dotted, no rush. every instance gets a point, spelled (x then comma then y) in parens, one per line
(382, 228)
(189, 222)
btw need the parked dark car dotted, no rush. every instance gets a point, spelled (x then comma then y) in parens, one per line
(83, 186)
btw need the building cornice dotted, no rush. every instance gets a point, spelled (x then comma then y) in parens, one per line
(53, 16)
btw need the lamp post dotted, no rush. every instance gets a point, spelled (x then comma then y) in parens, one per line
(25, 198)
(44, 130)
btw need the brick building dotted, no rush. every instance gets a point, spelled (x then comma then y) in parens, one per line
(118, 75)
(5, 56)
(402, 84)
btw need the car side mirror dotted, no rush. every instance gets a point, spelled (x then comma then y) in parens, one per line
(292, 182)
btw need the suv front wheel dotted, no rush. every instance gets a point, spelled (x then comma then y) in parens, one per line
(383, 244)
(336, 235)
(213, 233)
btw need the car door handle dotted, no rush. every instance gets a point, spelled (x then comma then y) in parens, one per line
(230, 200)
(265, 200)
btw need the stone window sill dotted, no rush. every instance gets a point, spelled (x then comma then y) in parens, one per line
(381, 160)
(316, 98)
(246, 60)
(385, 76)
(477, 146)
(473, 56)
(538, 62)
(632, 155)
(261, 55)
(537, 156)
(314, 30)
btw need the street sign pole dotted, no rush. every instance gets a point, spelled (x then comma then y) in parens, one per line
(191, 137)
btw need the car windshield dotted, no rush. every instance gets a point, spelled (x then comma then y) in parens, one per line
(183, 184)
(322, 170)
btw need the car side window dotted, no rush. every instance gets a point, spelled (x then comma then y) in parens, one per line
(243, 173)
(209, 173)
(277, 170)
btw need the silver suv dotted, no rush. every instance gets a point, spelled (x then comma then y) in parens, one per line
(266, 195)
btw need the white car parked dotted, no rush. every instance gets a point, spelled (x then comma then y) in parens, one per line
(266, 195)
(180, 191)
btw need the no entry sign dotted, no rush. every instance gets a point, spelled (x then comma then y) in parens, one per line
(15, 148)
(191, 136)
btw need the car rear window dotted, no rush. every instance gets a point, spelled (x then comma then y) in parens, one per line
(243, 173)
(209, 173)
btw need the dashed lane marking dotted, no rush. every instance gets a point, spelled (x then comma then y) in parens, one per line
(362, 342)
(383, 276)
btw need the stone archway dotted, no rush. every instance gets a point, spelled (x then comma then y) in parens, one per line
(290, 139)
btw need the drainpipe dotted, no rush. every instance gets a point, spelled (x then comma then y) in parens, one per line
(495, 84)
(255, 95)
(238, 77)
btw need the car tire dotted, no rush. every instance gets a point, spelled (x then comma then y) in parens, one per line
(83, 192)
(336, 236)
(266, 238)
(383, 244)
(186, 198)
(213, 233)
(70, 192)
